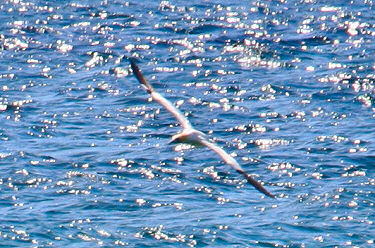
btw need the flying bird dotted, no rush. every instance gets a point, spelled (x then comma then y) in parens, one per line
(189, 134)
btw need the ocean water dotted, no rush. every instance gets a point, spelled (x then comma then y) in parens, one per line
(286, 87)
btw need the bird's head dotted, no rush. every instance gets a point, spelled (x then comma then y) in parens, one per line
(177, 138)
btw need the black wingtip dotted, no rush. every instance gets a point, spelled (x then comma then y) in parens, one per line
(138, 74)
(135, 68)
(133, 62)
(256, 184)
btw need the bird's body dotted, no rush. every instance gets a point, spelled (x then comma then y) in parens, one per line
(189, 134)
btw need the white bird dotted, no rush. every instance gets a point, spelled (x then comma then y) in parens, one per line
(190, 135)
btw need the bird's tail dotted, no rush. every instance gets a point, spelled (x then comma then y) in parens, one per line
(138, 74)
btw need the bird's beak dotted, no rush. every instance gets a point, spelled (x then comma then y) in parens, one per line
(172, 141)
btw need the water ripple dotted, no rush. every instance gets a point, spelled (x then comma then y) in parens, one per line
(287, 88)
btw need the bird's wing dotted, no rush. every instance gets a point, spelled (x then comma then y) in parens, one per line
(159, 98)
(233, 163)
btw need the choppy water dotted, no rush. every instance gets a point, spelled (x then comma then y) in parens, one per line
(286, 86)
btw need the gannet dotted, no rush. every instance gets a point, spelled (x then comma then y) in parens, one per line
(189, 134)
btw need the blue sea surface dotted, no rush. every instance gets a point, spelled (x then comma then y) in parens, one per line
(286, 87)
